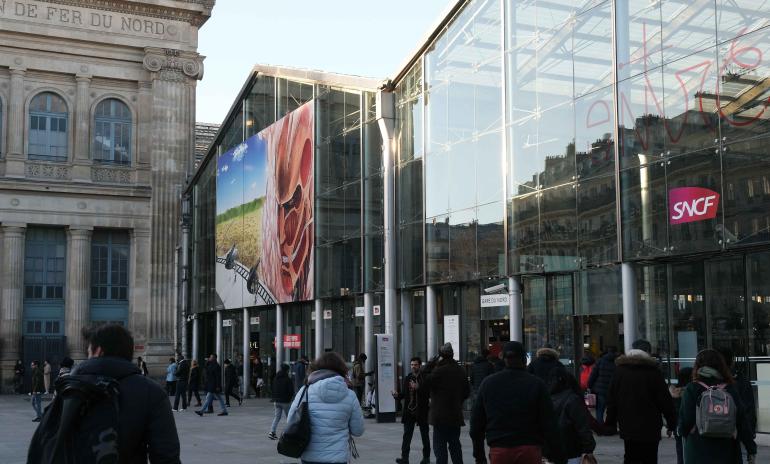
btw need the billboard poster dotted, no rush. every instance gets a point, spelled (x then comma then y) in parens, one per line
(264, 217)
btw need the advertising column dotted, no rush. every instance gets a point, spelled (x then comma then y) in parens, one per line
(386, 378)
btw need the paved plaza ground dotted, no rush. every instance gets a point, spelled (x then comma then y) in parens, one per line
(241, 438)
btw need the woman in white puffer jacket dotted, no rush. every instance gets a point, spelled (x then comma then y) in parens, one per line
(335, 413)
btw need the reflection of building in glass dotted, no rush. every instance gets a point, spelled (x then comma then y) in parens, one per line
(524, 164)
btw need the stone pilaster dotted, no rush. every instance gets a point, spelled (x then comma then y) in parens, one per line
(139, 285)
(14, 161)
(173, 93)
(77, 309)
(11, 303)
(81, 170)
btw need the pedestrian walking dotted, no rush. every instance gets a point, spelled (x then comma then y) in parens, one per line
(299, 372)
(257, 376)
(743, 385)
(637, 400)
(231, 383)
(682, 380)
(37, 389)
(414, 412)
(144, 423)
(194, 384)
(239, 370)
(587, 364)
(335, 413)
(546, 358)
(713, 419)
(182, 374)
(358, 375)
(171, 377)
(47, 376)
(599, 381)
(448, 387)
(283, 392)
(18, 377)
(573, 418)
(514, 412)
(142, 366)
(213, 387)
(480, 369)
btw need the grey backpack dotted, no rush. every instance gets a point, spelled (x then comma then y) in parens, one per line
(715, 413)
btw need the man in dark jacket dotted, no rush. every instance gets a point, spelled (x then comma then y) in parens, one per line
(414, 412)
(299, 372)
(213, 387)
(448, 387)
(637, 398)
(514, 412)
(599, 381)
(182, 375)
(194, 383)
(283, 393)
(38, 388)
(745, 390)
(231, 383)
(480, 370)
(545, 359)
(146, 425)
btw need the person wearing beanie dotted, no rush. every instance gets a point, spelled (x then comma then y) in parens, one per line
(448, 387)
(637, 401)
(515, 413)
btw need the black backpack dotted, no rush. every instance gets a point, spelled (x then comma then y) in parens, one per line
(81, 425)
(296, 437)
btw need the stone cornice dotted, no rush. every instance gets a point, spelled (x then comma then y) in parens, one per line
(196, 14)
(173, 65)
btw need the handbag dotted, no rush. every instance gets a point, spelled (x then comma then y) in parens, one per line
(296, 436)
(588, 459)
(590, 399)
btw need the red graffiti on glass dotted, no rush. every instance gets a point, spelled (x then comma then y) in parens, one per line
(691, 204)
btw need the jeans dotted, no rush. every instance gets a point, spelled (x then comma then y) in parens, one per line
(447, 436)
(280, 409)
(575, 460)
(210, 399)
(525, 454)
(37, 399)
(601, 405)
(641, 452)
(181, 390)
(406, 441)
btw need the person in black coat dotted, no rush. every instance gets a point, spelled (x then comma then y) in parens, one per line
(480, 369)
(231, 383)
(213, 387)
(414, 412)
(545, 360)
(18, 377)
(514, 412)
(194, 383)
(637, 399)
(569, 406)
(182, 375)
(146, 424)
(283, 394)
(599, 381)
(448, 385)
(744, 388)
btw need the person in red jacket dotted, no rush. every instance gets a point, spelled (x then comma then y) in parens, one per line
(586, 368)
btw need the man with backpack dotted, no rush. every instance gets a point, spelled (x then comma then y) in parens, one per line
(182, 373)
(637, 399)
(127, 417)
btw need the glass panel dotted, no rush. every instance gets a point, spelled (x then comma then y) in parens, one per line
(688, 27)
(652, 284)
(759, 333)
(490, 239)
(410, 251)
(638, 29)
(642, 124)
(260, 105)
(747, 191)
(524, 233)
(535, 316)
(462, 245)
(597, 216)
(409, 112)
(437, 248)
(599, 291)
(688, 316)
(736, 17)
(727, 304)
(644, 210)
(594, 144)
(561, 334)
(437, 186)
(558, 228)
(592, 50)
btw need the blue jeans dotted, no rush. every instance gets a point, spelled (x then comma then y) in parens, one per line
(210, 398)
(447, 436)
(37, 400)
(280, 409)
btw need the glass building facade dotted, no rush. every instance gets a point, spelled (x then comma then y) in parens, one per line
(576, 151)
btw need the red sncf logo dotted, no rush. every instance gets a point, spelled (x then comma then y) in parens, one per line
(691, 204)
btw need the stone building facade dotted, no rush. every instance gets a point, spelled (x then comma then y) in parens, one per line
(97, 105)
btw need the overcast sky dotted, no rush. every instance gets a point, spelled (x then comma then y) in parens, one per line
(362, 37)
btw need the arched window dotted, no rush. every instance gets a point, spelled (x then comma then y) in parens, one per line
(48, 127)
(112, 132)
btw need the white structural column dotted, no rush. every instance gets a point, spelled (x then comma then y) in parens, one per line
(515, 309)
(406, 330)
(195, 339)
(246, 339)
(77, 307)
(629, 305)
(11, 292)
(173, 76)
(16, 113)
(368, 335)
(319, 328)
(218, 346)
(386, 122)
(278, 337)
(431, 321)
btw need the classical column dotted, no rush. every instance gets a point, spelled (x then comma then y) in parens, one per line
(77, 308)
(16, 113)
(139, 294)
(431, 320)
(319, 328)
(515, 309)
(173, 75)
(12, 282)
(629, 305)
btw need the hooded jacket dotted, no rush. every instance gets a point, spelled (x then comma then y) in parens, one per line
(334, 415)
(146, 424)
(545, 360)
(638, 398)
(601, 375)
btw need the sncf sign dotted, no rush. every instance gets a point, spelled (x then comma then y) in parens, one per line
(691, 204)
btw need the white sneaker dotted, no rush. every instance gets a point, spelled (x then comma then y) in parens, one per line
(175, 410)
(183, 410)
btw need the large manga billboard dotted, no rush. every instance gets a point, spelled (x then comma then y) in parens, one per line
(264, 223)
